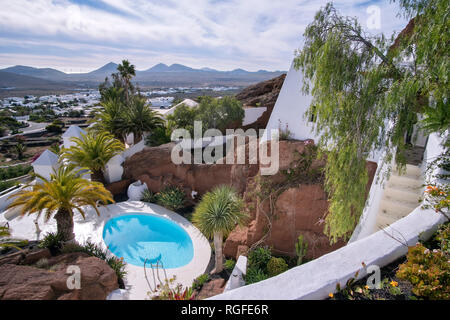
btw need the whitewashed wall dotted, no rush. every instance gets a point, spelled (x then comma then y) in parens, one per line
(114, 169)
(252, 114)
(290, 108)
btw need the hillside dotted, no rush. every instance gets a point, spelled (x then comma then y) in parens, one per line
(263, 94)
(160, 75)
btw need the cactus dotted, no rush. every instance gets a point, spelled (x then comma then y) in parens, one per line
(300, 248)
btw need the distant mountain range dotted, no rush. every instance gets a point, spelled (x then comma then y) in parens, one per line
(160, 75)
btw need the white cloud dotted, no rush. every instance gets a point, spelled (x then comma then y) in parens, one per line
(252, 34)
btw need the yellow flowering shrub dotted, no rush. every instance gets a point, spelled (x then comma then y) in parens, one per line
(428, 271)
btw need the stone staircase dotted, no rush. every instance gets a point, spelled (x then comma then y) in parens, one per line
(401, 195)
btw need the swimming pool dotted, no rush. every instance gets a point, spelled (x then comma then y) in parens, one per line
(137, 237)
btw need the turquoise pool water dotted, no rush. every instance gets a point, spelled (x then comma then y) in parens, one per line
(137, 237)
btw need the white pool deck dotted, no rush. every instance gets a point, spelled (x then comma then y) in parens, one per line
(91, 229)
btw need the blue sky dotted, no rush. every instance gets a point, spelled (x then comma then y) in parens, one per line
(82, 35)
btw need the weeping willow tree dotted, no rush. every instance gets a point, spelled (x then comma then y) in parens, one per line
(367, 94)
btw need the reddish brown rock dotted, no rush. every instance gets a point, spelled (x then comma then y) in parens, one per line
(25, 282)
(25, 256)
(211, 288)
(154, 166)
(119, 186)
(262, 94)
(234, 240)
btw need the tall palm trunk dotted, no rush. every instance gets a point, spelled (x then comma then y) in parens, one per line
(97, 175)
(137, 137)
(64, 223)
(218, 240)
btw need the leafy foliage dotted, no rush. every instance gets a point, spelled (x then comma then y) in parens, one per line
(93, 151)
(254, 275)
(229, 264)
(52, 241)
(275, 266)
(148, 196)
(358, 82)
(214, 113)
(259, 258)
(158, 136)
(65, 193)
(14, 171)
(171, 291)
(428, 271)
(140, 118)
(220, 209)
(171, 197)
(200, 281)
(217, 214)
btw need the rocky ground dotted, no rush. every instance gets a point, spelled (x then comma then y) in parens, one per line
(34, 274)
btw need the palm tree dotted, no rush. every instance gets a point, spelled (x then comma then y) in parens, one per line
(20, 149)
(93, 151)
(61, 196)
(111, 117)
(216, 215)
(141, 118)
(126, 71)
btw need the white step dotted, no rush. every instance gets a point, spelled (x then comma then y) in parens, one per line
(411, 198)
(383, 221)
(396, 209)
(405, 181)
(411, 170)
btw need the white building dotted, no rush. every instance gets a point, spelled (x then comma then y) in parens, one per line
(46, 164)
(73, 132)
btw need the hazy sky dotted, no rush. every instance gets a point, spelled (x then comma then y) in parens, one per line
(82, 35)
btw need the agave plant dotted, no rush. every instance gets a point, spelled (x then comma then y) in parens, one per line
(219, 211)
(60, 197)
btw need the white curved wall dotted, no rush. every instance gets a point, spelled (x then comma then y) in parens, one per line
(290, 108)
(316, 279)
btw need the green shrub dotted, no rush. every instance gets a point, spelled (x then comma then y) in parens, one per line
(14, 172)
(158, 136)
(172, 198)
(443, 238)
(54, 128)
(428, 271)
(148, 196)
(200, 281)
(259, 258)
(276, 266)
(117, 264)
(229, 264)
(6, 185)
(255, 275)
(53, 242)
